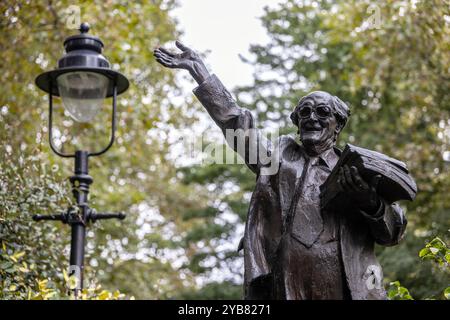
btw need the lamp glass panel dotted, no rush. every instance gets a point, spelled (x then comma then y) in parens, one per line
(82, 93)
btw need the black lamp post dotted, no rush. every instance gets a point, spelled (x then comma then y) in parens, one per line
(83, 80)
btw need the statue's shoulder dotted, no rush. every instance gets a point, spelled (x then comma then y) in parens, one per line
(288, 145)
(288, 140)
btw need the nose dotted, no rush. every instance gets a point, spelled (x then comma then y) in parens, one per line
(313, 116)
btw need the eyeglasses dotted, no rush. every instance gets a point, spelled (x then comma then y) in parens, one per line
(322, 112)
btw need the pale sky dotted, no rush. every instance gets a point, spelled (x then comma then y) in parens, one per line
(225, 28)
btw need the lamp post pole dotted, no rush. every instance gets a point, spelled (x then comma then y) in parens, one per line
(80, 188)
(83, 76)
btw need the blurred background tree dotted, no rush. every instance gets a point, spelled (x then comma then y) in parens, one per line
(143, 253)
(389, 60)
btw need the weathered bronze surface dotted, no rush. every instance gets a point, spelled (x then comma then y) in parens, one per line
(293, 248)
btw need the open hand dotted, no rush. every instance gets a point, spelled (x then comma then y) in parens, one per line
(362, 193)
(188, 59)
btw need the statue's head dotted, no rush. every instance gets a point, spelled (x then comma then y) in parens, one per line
(320, 117)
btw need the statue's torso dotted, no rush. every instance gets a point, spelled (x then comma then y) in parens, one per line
(309, 260)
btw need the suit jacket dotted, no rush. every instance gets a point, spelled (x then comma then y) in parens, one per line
(272, 197)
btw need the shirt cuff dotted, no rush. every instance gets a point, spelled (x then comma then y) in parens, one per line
(377, 215)
(211, 78)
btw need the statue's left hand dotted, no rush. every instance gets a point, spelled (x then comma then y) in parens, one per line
(363, 194)
(188, 59)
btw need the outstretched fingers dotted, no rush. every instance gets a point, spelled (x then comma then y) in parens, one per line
(165, 51)
(163, 58)
(160, 53)
(165, 61)
(181, 46)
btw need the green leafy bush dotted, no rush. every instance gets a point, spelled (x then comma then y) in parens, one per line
(397, 292)
(437, 251)
(29, 250)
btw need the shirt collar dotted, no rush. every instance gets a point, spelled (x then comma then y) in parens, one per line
(327, 158)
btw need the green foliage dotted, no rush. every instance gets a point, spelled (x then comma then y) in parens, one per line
(397, 292)
(437, 251)
(447, 293)
(29, 250)
(46, 291)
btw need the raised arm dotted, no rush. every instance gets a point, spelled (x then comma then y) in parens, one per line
(236, 123)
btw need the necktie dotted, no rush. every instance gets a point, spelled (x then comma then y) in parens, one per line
(307, 224)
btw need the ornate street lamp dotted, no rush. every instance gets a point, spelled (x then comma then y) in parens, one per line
(83, 80)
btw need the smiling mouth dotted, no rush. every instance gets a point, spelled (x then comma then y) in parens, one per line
(309, 128)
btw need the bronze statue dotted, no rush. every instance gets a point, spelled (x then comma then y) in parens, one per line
(293, 247)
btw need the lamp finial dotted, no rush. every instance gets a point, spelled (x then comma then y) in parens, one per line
(84, 27)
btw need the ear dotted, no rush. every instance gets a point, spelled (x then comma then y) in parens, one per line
(337, 130)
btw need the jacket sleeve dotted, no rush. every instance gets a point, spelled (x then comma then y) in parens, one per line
(388, 224)
(236, 123)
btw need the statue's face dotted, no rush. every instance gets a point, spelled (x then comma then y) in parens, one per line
(317, 123)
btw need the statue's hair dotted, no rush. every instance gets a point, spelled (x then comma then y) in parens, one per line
(340, 109)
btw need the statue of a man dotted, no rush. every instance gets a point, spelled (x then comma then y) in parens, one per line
(293, 249)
